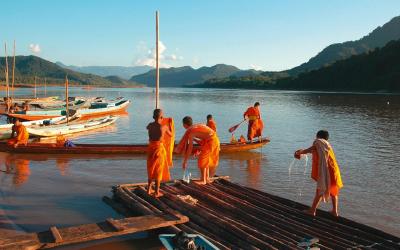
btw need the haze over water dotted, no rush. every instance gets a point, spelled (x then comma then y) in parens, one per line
(364, 132)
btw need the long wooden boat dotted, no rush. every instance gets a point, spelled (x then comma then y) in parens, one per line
(103, 108)
(30, 99)
(33, 115)
(71, 128)
(114, 149)
(5, 129)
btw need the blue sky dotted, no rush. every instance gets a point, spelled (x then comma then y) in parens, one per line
(270, 35)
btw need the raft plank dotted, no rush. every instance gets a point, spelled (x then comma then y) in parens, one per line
(88, 232)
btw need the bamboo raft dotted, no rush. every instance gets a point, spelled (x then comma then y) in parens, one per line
(237, 217)
(82, 233)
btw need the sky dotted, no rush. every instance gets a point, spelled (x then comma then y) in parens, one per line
(259, 34)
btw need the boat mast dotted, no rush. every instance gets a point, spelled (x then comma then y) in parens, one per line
(66, 98)
(34, 90)
(6, 72)
(45, 87)
(13, 73)
(157, 65)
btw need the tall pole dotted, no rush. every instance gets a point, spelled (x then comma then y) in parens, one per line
(45, 87)
(34, 90)
(157, 65)
(13, 73)
(6, 72)
(66, 98)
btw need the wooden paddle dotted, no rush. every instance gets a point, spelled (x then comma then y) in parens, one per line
(233, 128)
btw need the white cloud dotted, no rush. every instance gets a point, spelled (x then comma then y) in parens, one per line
(255, 67)
(35, 48)
(149, 58)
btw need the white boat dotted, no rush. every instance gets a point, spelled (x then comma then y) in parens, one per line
(71, 128)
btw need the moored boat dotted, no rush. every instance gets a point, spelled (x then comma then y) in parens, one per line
(32, 115)
(114, 149)
(103, 108)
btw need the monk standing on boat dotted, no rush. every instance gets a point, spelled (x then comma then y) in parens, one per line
(19, 134)
(325, 171)
(256, 125)
(207, 138)
(157, 161)
(169, 143)
(211, 123)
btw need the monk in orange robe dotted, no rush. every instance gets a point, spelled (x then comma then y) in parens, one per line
(156, 154)
(19, 134)
(169, 143)
(208, 157)
(256, 125)
(211, 123)
(325, 171)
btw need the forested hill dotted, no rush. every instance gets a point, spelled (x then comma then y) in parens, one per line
(27, 67)
(375, 71)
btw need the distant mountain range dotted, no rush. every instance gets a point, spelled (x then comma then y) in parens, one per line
(27, 67)
(120, 71)
(186, 76)
(339, 51)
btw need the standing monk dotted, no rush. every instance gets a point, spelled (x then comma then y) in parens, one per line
(256, 125)
(325, 171)
(169, 143)
(207, 138)
(156, 153)
(19, 134)
(211, 123)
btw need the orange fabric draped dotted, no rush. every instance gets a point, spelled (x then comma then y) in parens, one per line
(157, 165)
(211, 124)
(253, 113)
(256, 125)
(209, 148)
(22, 135)
(333, 168)
(169, 141)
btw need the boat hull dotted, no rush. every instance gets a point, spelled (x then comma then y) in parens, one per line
(90, 113)
(113, 149)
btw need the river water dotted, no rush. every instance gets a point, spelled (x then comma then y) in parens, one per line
(44, 190)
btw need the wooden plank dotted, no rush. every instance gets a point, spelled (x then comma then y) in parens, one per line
(56, 234)
(88, 232)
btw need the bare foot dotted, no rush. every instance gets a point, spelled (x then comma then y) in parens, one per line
(309, 212)
(200, 182)
(149, 191)
(158, 195)
(209, 181)
(335, 213)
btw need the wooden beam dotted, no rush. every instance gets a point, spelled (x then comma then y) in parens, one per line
(56, 234)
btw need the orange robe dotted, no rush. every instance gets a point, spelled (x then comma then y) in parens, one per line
(22, 135)
(256, 125)
(334, 179)
(157, 162)
(169, 141)
(211, 124)
(209, 148)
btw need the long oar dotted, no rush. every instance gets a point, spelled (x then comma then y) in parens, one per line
(233, 128)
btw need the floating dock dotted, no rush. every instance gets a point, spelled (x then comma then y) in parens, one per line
(232, 216)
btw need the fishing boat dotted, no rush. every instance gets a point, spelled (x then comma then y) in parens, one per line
(5, 129)
(115, 149)
(171, 242)
(32, 115)
(103, 108)
(70, 128)
(21, 100)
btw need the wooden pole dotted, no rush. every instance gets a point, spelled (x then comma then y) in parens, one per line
(13, 73)
(66, 98)
(157, 65)
(45, 87)
(34, 90)
(6, 71)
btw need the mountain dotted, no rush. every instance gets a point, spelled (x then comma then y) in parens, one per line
(376, 39)
(27, 67)
(186, 76)
(120, 71)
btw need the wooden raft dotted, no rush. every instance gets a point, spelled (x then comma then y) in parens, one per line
(105, 229)
(236, 217)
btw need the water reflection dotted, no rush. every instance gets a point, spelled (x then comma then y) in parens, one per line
(19, 168)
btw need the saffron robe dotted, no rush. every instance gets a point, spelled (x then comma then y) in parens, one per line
(325, 170)
(209, 148)
(256, 125)
(157, 162)
(211, 124)
(22, 135)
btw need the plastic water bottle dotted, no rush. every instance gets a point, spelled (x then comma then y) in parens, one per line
(186, 176)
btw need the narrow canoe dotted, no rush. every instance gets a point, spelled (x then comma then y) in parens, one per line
(113, 149)
(33, 115)
(103, 108)
(71, 128)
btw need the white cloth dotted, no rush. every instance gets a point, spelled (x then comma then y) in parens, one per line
(324, 179)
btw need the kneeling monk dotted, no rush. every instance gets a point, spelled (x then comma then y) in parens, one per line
(207, 138)
(256, 125)
(157, 161)
(325, 171)
(19, 134)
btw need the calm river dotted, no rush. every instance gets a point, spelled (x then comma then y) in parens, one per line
(57, 190)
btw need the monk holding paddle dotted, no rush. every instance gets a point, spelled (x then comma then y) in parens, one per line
(19, 134)
(207, 138)
(325, 171)
(157, 160)
(256, 125)
(211, 123)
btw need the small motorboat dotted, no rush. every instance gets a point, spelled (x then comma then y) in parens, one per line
(183, 241)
